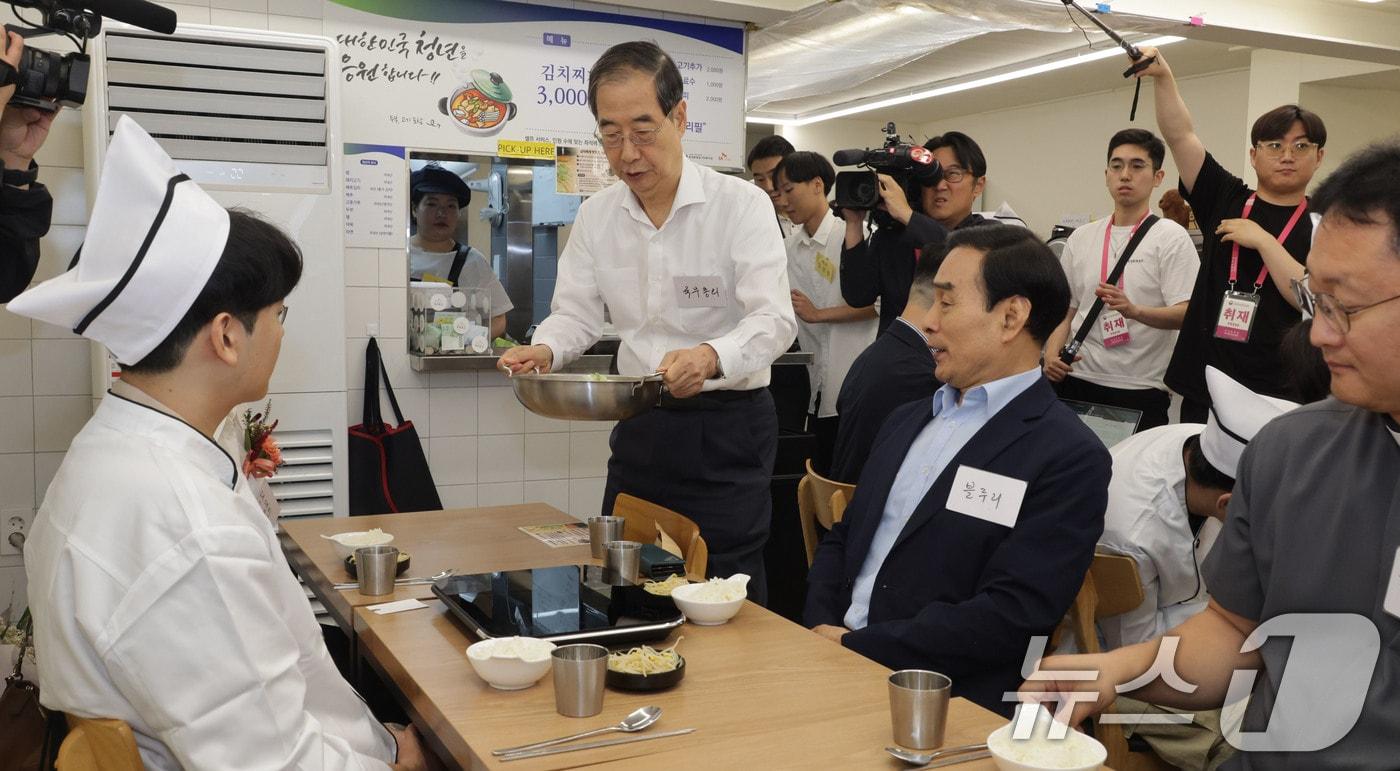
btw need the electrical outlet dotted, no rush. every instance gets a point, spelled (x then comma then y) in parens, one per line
(14, 521)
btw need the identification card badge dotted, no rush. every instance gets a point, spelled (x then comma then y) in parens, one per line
(1114, 328)
(700, 292)
(1237, 313)
(986, 496)
(825, 268)
(1392, 593)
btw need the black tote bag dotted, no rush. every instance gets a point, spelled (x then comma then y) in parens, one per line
(388, 471)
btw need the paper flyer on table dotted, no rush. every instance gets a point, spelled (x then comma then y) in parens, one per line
(556, 536)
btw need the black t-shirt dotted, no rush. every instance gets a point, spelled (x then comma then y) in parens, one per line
(1220, 195)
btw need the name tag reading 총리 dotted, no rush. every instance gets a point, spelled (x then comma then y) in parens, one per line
(987, 496)
(700, 292)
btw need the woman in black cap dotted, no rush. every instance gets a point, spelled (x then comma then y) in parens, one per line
(438, 196)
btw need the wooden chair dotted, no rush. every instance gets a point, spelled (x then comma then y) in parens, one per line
(1111, 587)
(645, 520)
(820, 500)
(98, 744)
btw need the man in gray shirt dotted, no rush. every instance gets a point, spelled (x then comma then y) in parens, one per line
(1311, 545)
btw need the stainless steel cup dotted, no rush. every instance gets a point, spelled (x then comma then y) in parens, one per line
(919, 708)
(376, 566)
(579, 671)
(622, 565)
(601, 532)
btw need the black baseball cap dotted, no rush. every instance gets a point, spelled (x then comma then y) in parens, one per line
(435, 179)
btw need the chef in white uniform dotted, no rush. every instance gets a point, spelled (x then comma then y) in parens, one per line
(160, 594)
(1167, 500)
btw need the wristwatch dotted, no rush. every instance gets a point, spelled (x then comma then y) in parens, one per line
(22, 177)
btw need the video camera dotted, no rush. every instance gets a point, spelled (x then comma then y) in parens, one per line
(906, 163)
(48, 80)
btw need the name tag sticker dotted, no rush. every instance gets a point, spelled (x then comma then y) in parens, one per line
(825, 268)
(987, 496)
(1392, 594)
(700, 292)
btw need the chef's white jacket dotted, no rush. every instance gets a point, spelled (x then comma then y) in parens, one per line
(161, 597)
(814, 268)
(1147, 520)
(719, 235)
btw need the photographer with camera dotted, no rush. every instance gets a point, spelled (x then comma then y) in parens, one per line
(882, 266)
(25, 205)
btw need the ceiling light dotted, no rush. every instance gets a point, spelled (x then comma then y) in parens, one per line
(968, 85)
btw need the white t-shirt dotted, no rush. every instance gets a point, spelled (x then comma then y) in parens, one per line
(476, 273)
(814, 268)
(1160, 273)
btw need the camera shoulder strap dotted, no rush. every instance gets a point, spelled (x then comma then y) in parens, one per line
(8, 75)
(1092, 316)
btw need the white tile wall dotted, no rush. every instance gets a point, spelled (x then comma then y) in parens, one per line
(483, 448)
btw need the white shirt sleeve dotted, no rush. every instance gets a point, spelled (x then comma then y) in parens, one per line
(575, 319)
(1179, 264)
(762, 291)
(209, 663)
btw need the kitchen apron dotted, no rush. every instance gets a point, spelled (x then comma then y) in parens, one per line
(709, 458)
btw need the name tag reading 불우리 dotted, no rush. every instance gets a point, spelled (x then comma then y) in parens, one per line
(988, 496)
(700, 292)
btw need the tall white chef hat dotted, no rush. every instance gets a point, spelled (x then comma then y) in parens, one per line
(152, 242)
(1236, 415)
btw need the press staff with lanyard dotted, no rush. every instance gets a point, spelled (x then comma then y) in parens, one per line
(1256, 244)
(437, 197)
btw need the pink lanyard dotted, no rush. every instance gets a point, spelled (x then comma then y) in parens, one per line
(1108, 231)
(1235, 250)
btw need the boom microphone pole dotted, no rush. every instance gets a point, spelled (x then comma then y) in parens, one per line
(1140, 62)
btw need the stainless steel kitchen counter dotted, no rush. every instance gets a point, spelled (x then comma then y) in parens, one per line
(586, 363)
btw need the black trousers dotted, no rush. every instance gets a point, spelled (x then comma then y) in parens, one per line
(1193, 411)
(710, 458)
(1151, 401)
(824, 429)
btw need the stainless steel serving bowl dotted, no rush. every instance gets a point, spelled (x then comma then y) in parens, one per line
(587, 396)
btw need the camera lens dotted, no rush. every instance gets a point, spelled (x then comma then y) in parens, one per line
(46, 77)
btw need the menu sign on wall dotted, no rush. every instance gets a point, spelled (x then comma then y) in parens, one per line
(470, 75)
(376, 214)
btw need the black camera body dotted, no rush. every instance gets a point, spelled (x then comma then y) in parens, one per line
(907, 164)
(49, 80)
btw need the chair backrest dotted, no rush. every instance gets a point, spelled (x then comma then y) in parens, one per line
(1111, 587)
(820, 501)
(645, 519)
(98, 744)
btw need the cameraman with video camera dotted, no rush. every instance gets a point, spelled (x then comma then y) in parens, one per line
(25, 205)
(882, 266)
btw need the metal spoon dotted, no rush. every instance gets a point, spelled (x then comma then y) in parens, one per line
(924, 758)
(639, 719)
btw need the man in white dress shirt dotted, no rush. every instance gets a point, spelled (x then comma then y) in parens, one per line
(694, 274)
(832, 331)
(160, 594)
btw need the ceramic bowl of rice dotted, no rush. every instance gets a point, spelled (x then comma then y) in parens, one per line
(1047, 747)
(511, 663)
(712, 602)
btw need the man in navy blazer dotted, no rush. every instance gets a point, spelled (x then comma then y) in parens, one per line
(895, 369)
(975, 518)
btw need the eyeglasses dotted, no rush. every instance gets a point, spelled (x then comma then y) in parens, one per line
(1321, 304)
(282, 314)
(639, 138)
(1275, 148)
(954, 175)
(1117, 166)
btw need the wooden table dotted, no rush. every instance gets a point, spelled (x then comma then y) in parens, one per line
(763, 693)
(465, 540)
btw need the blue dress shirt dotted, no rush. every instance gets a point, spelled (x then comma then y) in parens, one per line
(953, 425)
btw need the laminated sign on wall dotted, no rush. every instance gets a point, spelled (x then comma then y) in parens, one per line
(469, 75)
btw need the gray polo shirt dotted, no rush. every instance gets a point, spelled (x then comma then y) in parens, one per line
(1313, 527)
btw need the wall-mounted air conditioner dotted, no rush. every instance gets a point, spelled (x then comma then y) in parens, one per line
(253, 117)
